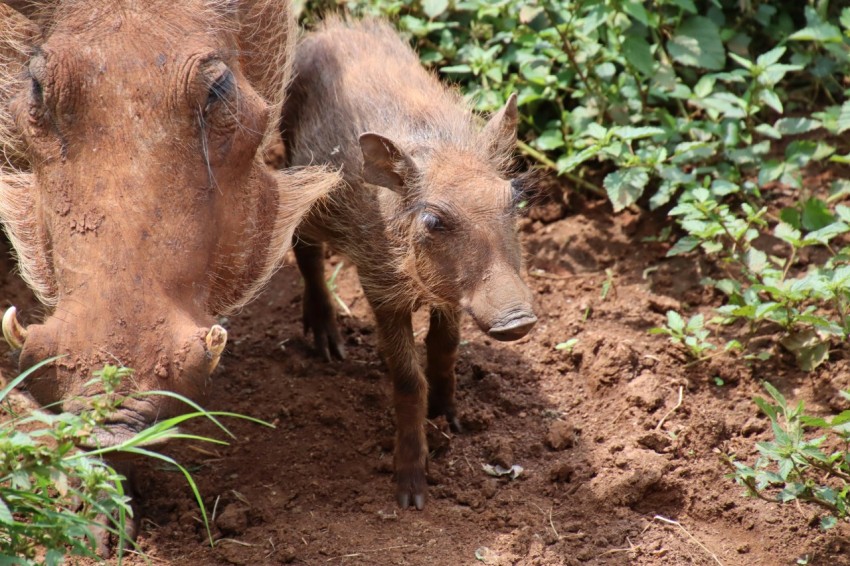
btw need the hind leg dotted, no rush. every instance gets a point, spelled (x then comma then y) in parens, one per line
(319, 315)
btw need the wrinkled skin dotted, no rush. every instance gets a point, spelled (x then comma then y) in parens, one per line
(150, 210)
(428, 217)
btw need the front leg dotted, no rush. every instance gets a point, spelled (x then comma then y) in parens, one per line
(442, 343)
(410, 390)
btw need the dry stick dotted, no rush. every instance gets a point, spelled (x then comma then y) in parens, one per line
(692, 537)
(215, 508)
(551, 523)
(539, 273)
(361, 553)
(671, 411)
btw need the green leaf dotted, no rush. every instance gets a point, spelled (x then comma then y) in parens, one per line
(635, 9)
(639, 55)
(766, 408)
(828, 232)
(570, 162)
(434, 8)
(625, 186)
(629, 133)
(771, 57)
(788, 234)
(697, 43)
(790, 216)
(816, 214)
(817, 30)
(755, 260)
(568, 345)
(456, 69)
(675, 322)
(828, 521)
(549, 140)
(775, 393)
(5, 515)
(844, 116)
(772, 99)
(794, 126)
(684, 245)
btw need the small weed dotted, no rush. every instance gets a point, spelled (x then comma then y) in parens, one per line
(692, 335)
(808, 459)
(567, 346)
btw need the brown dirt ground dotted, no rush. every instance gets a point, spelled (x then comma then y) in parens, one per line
(604, 448)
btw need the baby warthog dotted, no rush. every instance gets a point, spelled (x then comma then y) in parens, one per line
(427, 215)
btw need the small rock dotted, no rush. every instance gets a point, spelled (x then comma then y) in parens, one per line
(233, 520)
(754, 425)
(655, 440)
(561, 435)
(501, 453)
(743, 549)
(561, 473)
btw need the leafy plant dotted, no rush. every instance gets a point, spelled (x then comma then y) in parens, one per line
(760, 290)
(691, 334)
(54, 496)
(797, 465)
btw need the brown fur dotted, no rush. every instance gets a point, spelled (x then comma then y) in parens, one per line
(133, 188)
(425, 158)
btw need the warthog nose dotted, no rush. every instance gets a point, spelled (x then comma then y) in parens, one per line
(513, 328)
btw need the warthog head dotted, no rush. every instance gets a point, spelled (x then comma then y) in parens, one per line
(134, 191)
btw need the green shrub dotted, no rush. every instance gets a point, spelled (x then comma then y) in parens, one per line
(53, 496)
(675, 102)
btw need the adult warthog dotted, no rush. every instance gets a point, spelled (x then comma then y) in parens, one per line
(133, 188)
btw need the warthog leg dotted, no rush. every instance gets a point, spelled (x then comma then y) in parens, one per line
(442, 343)
(318, 309)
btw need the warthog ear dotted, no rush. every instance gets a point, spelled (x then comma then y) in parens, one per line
(267, 33)
(500, 130)
(385, 164)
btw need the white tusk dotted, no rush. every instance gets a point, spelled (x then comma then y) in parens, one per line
(13, 332)
(216, 340)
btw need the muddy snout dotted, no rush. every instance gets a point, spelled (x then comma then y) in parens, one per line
(178, 356)
(513, 326)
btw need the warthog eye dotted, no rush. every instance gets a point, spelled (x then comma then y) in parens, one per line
(220, 89)
(37, 92)
(432, 222)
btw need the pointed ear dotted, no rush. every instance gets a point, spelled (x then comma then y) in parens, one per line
(500, 130)
(385, 164)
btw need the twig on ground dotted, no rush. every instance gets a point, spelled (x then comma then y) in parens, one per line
(551, 523)
(539, 273)
(234, 541)
(671, 411)
(215, 509)
(374, 550)
(692, 537)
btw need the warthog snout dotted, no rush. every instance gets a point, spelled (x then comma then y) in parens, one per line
(176, 353)
(514, 326)
(501, 305)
